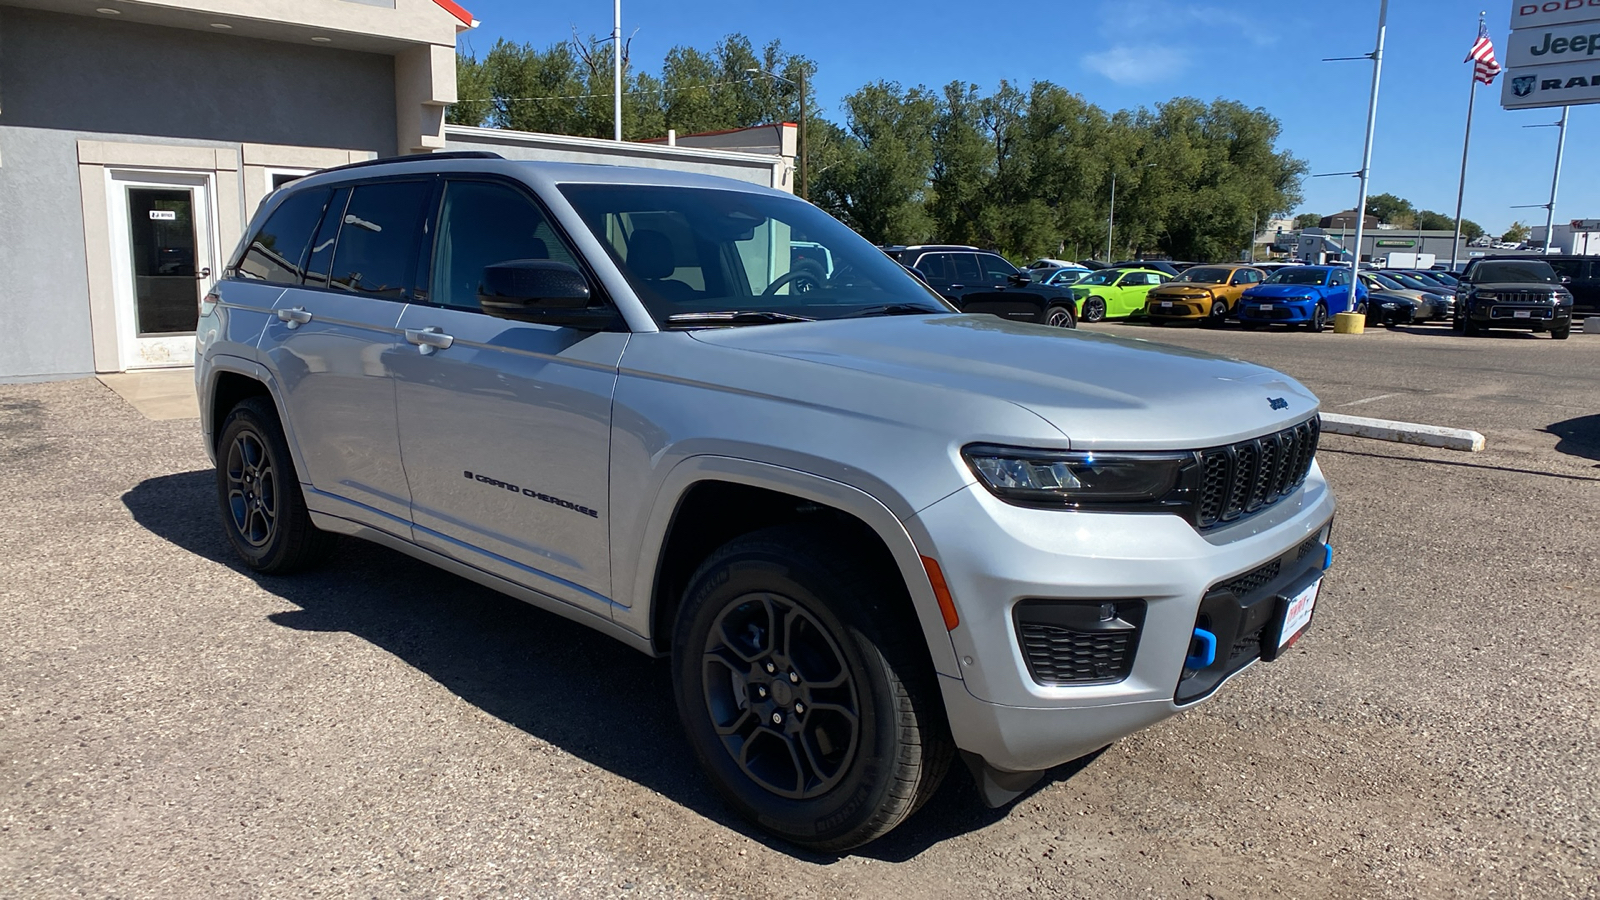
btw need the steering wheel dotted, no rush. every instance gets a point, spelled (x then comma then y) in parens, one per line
(804, 280)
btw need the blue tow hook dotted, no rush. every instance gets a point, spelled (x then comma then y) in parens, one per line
(1208, 650)
(1327, 557)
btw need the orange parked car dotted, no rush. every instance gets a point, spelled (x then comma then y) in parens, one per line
(1207, 294)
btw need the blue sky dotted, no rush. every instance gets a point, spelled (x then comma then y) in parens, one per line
(1127, 53)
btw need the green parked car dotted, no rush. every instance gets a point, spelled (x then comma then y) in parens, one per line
(1115, 293)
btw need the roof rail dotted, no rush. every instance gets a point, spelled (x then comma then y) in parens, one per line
(415, 157)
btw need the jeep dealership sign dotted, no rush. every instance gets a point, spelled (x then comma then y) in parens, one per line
(1552, 55)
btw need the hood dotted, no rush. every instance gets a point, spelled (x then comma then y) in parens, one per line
(1102, 392)
(1186, 289)
(1282, 291)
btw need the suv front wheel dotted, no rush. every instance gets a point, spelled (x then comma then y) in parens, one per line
(805, 697)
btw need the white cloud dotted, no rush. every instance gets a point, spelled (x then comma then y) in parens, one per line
(1135, 64)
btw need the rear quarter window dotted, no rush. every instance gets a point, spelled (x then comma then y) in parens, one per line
(277, 251)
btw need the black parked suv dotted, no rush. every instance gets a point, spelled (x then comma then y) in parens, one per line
(981, 281)
(1581, 277)
(1513, 292)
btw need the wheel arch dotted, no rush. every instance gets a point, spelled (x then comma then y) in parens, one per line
(707, 500)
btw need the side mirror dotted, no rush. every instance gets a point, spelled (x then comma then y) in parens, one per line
(1566, 279)
(921, 275)
(1021, 279)
(542, 291)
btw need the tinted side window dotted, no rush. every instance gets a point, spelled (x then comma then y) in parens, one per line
(321, 258)
(1339, 277)
(277, 252)
(966, 264)
(481, 224)
(995, 269)
(378, 237)
(1572, 268)
(936, 266)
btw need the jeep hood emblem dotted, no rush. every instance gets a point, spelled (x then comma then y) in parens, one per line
(1278, 402)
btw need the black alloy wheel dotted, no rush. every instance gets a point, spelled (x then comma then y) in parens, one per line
(1094, 309)
(1319, 318)
(805, 689)
(263, 510)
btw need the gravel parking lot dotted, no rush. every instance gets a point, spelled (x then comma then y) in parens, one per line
(173, 727)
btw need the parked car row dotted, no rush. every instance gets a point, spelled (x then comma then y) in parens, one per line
(1060, 292)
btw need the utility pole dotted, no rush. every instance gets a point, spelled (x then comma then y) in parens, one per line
(805, 170)
(1111, 220)
(1366, 155)
(616, 70)
(1555, 181)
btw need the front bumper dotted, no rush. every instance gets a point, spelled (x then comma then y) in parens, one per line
(1521, 315)
(995, 556)
(1179, 308)
(1283, 312)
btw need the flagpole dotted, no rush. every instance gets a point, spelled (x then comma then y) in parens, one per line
(1461, 188)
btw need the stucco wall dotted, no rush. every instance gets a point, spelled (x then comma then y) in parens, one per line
(65, 78)
(769, 171)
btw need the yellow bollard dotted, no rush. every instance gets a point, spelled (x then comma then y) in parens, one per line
(1349, 323)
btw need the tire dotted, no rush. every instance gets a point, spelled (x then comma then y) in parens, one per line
(1458, 324)
(1219, 312)
(258, 494)
(1249, 326)
(1561, 332)
(1319, 319)
(809, 776)
(1060, 316)
(1094, 309)
(1471, 328)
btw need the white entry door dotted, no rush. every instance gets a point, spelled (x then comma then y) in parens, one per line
(163, 253)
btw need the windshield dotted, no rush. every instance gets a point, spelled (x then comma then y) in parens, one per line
(1385, 281)
(1298, 275)
(1513, 272)
(1067, 276)
(1416, 284)
(1104, 276)
(689, 250)
(1205, 275)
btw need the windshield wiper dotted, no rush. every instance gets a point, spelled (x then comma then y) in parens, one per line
(735, 317)
(893, 309)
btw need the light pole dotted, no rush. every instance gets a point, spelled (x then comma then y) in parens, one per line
(801, 87)
(1366, 155)
(1111, 217)
(616, 70)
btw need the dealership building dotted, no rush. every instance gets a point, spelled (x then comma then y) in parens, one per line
(138, 136)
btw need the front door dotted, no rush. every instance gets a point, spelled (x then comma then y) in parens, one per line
(505, 427)
(161, 227)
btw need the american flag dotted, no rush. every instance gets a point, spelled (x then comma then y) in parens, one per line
(1482, 53)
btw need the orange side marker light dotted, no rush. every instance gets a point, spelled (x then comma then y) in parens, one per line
(941, 592)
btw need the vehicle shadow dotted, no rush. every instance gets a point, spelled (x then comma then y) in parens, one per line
(1578, 437)
(553, 679)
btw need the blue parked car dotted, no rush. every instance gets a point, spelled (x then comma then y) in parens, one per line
(1300, 295)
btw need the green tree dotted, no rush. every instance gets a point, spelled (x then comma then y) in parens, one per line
(1387, 206)
(474, 93)
(1307, 220)
(1428, 220)
(1471, 230)
(1517, 232)
(874, 173)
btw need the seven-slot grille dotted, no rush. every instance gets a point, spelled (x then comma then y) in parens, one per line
(1243, 478)
(1521, 297)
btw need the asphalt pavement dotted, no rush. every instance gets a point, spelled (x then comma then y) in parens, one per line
(172, 727)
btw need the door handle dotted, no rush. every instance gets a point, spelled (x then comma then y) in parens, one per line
(956, 287)
(295, 317)
(203, 274)
(429, 339)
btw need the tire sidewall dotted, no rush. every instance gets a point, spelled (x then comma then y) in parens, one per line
(1050, 312)
(856, 798)
(1094, 309)
(245, 418)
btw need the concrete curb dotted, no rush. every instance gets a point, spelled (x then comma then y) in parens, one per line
(1403, 432)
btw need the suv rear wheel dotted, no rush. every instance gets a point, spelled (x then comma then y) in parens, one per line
(263, 511)
(802, 692)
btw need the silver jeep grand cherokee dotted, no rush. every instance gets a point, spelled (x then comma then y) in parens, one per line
(872, 534)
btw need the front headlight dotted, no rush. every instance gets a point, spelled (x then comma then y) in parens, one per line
(1154, 481)
(1484, 295)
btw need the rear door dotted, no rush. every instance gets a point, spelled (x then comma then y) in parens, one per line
(331, 342)
(505, 426)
